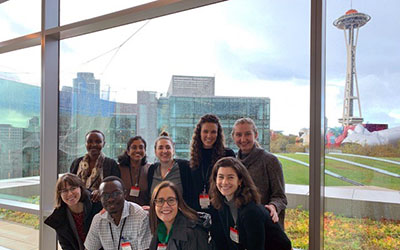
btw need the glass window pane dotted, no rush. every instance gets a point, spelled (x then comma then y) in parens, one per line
(19, 146)
(363, 125)
(18, 18)
(75, 10)
(230, 59)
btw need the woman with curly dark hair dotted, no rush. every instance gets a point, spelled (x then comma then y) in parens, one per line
(134, 167)
(245, 223)
(207, 146)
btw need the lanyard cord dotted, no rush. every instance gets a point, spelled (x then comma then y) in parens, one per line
(168, 170)
(130, 174)
(120, 234)
(204, 177)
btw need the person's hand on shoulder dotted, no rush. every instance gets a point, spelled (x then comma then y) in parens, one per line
(95, 196)
(273, 213)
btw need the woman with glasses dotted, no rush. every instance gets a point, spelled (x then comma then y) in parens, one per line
(94, 166)
(134, 167)
(73, 212)
(246, 223)
(169, 168)
(173, 224)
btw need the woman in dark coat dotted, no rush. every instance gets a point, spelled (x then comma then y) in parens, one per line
(207, 147)
(73, 212)
(94, 166)
(173, 224)
(246, 223)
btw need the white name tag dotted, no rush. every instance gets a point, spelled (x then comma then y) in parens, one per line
(134, 191)
(233, 233)
(204, 200)
(126, 246)
(161, 246)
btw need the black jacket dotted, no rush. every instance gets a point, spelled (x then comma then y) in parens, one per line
(202, 174)
(110, 167)
(255, 227)
(186, 178)
(59, 221)
(186, 235)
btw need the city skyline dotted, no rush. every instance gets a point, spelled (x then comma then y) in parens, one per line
(249, 53)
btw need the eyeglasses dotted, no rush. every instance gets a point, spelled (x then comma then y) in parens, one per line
(113, 195)
(66, 190)
(171, 201)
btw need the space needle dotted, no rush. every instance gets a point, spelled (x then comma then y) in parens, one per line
(350, 22)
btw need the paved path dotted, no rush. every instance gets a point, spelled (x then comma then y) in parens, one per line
(367, 157)
(17, 236)
(326, 171)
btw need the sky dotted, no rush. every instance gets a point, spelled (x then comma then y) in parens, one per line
(253, 48)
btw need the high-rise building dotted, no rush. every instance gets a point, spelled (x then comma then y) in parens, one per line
(191, 86)
(82, 110)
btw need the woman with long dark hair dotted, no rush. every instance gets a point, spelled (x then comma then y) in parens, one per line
(73, 212)
(207, 146)
(174, 224)
(246, 223)
(134, 167)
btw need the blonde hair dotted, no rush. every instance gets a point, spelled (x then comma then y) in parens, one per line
(245, 120)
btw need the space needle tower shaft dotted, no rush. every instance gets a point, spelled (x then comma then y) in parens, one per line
(350, 24)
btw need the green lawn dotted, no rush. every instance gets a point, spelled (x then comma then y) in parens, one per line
(297, 174)
(374, 163)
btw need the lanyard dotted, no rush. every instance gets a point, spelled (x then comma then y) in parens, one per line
(138, 178)
(120, 234)
(204, 177)
(168, 170)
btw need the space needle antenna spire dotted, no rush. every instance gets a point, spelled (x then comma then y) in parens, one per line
(350, 23)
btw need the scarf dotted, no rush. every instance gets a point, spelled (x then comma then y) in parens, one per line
(93, 178)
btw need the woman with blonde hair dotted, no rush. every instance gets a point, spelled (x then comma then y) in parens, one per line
(73, 212)
(174, 224)
(246, 223)
(264, 168)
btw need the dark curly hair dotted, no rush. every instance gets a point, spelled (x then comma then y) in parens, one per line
(246, 192)
(196, 143)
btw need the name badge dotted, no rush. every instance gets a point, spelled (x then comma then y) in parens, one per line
(126, 246)
(233, 233)
(162, 246)
(134, 191)
(204, 200)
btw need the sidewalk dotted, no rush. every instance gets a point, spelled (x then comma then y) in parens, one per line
(17, 236)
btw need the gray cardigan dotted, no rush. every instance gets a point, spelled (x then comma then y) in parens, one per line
(267, 174)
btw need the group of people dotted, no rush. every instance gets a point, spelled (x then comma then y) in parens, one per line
(217, 200)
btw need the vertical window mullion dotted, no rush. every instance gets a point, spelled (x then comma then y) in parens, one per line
(317, 124)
